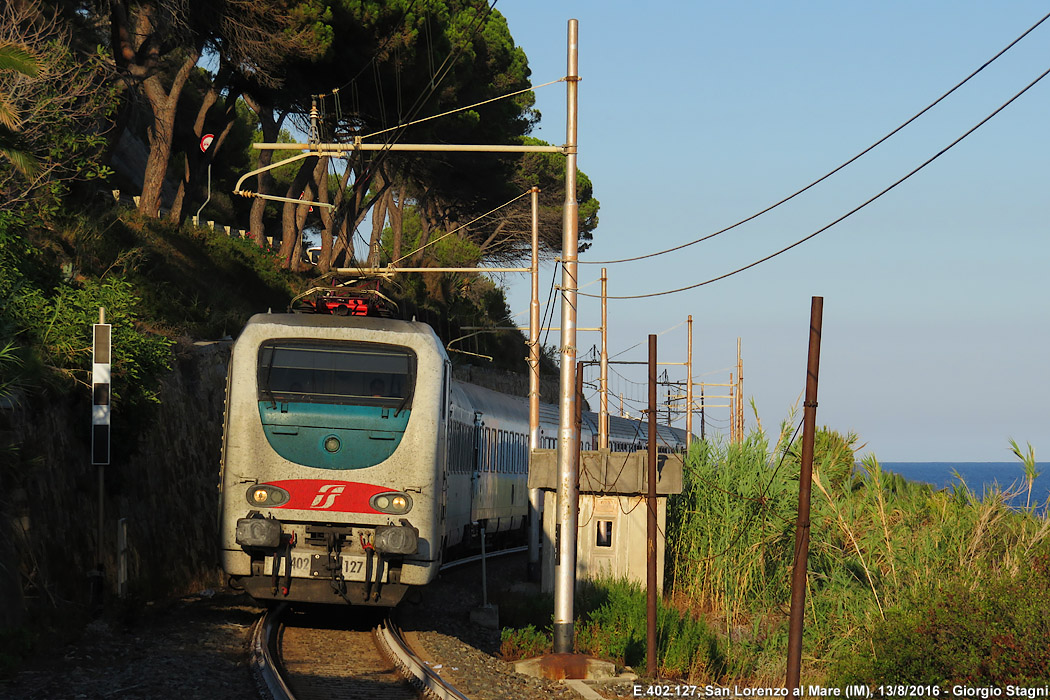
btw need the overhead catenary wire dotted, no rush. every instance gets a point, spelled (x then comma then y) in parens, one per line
(845, 216)
(463, 109)
(460, 228)
(837, 169)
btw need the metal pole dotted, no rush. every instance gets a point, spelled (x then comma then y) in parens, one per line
(122, 557)
(689, 389)
(196, 218)
(484, 570)
(805, 482)
(565, 569)
(603, 410)
(732, 410)
(739, 392)
(535, 495)
(650, 503)
(703, 417)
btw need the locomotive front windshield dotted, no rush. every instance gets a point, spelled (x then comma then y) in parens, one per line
(336, 372)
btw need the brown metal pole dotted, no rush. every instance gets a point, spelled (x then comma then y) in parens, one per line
(805, 482)
(650, 502)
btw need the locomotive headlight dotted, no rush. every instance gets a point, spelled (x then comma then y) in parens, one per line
(331, 443)
(391, 502)
(397, 539)
(258, 532)
(267, 496)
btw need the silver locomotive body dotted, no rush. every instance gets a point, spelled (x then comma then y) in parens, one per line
(352, 461)
(334, 454)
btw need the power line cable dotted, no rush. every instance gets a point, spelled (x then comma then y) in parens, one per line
(844, 216)
(829, 174)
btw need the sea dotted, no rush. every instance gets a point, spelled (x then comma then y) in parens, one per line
(980, 477)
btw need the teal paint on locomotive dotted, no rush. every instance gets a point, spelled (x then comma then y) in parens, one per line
(329, 436)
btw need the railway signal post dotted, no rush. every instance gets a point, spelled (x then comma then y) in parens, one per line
(101, 347)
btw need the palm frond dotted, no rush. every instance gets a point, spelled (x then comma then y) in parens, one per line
(18, 58)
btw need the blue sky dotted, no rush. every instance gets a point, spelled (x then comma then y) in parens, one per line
(694, 115)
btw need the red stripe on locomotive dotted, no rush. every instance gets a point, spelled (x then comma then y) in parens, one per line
(330, 495)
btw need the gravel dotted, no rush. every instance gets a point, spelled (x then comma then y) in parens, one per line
(197, 647)
(192, 648)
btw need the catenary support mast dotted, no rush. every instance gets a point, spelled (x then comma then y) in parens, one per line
(565, 547)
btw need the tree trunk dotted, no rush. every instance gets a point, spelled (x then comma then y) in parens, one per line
(397, 221)
(194, 179)
(271, 130)
(289, 231)
(163, 103)
(378, 221)
(324, 258)
(425, 229)
(342, 246)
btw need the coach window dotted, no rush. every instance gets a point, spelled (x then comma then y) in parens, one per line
(494, 450)
(505, 453)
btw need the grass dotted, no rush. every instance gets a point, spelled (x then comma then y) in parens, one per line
(880, 548)
(611, 624)
(904, 580)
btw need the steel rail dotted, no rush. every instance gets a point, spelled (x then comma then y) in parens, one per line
(264, 670)
(272, 686)
(390, 642)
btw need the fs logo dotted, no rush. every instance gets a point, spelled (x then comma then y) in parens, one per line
(326, 494)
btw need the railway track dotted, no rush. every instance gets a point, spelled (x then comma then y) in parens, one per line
(299, 656)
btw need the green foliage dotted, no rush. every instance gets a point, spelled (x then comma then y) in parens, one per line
(54, 324)
(61, 107)
(615, 628)
(547, 172)
(991, 635)
(523, 643)
(730, 533)
(155, 281)
(611, 624)
(879, 546)
(1031, 472)
(442, 250)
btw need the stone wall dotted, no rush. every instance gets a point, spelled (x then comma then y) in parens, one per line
(166, 489)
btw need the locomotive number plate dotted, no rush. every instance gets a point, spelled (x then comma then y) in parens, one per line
(316, 566)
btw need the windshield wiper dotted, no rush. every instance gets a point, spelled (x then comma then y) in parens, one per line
(269, 371)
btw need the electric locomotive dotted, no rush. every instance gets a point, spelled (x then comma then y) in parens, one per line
(352, 461)
(334, 458)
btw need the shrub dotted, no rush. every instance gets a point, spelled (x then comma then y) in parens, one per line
(616, 629)
(995, 634)
(523, 643)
